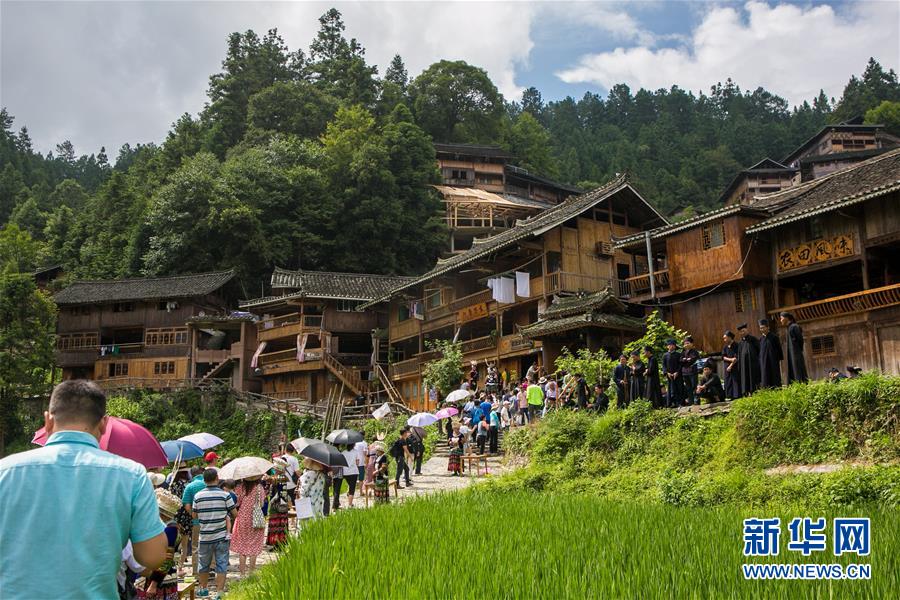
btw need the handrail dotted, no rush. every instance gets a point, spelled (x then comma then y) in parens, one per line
(846, 304)
(280, 321)
(477, 344)
(392, 392)
(565, 281)
(641, 283)
(404, 367)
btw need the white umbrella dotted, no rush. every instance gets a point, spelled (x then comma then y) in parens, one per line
(244, 467)
(203, 439)
(457, 396)
(422, 419)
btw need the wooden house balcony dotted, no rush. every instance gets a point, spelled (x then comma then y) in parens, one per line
(561, 281)
(638, 287)
(847, 304)
(513, 344)
(405, 368)
(405, 329)
(285, 361)
(286, 326)
(211, 356)
(478, 344)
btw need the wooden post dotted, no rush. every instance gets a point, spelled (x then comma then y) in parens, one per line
(861, 234)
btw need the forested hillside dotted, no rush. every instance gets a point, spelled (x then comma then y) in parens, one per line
(313, 159)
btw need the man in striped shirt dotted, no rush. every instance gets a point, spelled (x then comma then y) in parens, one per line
(211, 506)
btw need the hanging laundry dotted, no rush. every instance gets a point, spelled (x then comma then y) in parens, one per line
(417, 310)
(259, 350)
(507, 290)
(523, 285)
(494, 284)
(301, 346)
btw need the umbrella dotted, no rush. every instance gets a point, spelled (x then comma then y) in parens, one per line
(181, 450)
(244, 467)
(422, 419)
(344, 436)
(458, 396)
(445, 413)
(127, 439)
(320, 452)
(203, 440)
(421, 433)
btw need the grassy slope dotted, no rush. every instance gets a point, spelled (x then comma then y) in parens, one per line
(643, 454)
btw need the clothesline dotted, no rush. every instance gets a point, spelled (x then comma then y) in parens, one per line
(511, 271)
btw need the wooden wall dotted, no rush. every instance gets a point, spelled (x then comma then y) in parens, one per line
(706, 318)
(143, 368)
(335, 320)
(145, 314)
(882, 216)
(691, 267)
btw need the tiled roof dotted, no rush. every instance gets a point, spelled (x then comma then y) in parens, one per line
(857, 183)
(343, 286)
(590, 319)
(526, 228)
(150, 288)
(638, 239)
(838, 127)
(471, 150)
(565, 306)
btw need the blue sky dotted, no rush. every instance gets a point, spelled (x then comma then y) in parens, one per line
(110, 72)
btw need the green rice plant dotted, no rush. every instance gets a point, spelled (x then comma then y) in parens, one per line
(483, 544)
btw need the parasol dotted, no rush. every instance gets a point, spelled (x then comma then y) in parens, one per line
(344, 437)
(245, 467)
(458, 396)
(125, 438)
(180, 450)
(422, 419)
(446, 413)
(203, 440)
(320, 452)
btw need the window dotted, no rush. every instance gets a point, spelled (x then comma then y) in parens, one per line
(118, 369)
(164, 368)
(80, 311)
(744, 299)
(166, 336)
(348, 305)
(433, 299)
(459, 174)
(403, 312)
(823, 345)
(713, 235)
(76, 341)
(123, 307)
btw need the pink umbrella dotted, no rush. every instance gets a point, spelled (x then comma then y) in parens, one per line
(127, 439)
(446, 413)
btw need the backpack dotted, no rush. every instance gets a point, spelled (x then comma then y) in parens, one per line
(397, 450)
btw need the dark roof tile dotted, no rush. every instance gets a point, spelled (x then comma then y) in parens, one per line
(150, 288)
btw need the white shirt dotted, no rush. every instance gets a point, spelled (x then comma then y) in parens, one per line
(293, 466)
(351, 469)
(362, 450)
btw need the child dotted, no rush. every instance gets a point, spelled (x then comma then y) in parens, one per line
(228, 486)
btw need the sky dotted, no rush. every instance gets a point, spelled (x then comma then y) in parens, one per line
(106, 73)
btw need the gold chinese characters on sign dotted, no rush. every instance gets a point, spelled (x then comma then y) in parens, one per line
(814, 252)
(471, 313)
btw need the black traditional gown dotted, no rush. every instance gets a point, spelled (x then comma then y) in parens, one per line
(712, 388)
(732, 377)
(637, 380)
(620, 374)
(672, 365)
(748, 362)
(796, 360)
(653, 391)
(770, 358)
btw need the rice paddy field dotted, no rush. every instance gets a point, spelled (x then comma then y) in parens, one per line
(485, 544)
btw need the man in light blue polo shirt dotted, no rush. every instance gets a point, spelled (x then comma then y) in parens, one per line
(74, 504)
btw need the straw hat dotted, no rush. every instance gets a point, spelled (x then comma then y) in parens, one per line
(376, 446)
(542, 380)
(168, 503)
(157, 479)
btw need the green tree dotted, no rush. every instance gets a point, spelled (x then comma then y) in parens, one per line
(12, 190)
(394, 86)
(658, 331)
(294, 107)
(18, 252)
(862, 94)
(531, 144)
(456, 102)
(29, 217)
(338, 66)
(595, 366)
(445, 372)
(196, 223)
(67, 193)
(888, 114)
(27, 324)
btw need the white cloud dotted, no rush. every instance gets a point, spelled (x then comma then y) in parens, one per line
(106, 73)
(790, 50)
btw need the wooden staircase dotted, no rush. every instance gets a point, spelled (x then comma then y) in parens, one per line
(217, 369)
(392, 392)
(347, 376)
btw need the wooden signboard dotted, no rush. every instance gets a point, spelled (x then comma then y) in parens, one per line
(472, 313)
(815, 252)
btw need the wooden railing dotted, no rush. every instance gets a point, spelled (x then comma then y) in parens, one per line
(562, 281)
(288, 356)
(405, 328)
(311, 321)
(156, 383)
(478, 344)
(392, 392)
(404, 367)
(640, 284)
(845, 305)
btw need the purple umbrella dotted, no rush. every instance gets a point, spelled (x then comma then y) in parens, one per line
(446, 413)
(127, 439)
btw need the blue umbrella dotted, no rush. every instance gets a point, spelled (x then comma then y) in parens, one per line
(180, 449)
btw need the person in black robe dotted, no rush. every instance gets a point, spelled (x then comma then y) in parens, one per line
(748, 360)
(770, 357)
(620, 378)
(689, 358)
(672, 371)
(636, 370)
(795, 359)
(732, 369)
(600, 401)
(710, 386)
(581, 390)
(654, 388)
